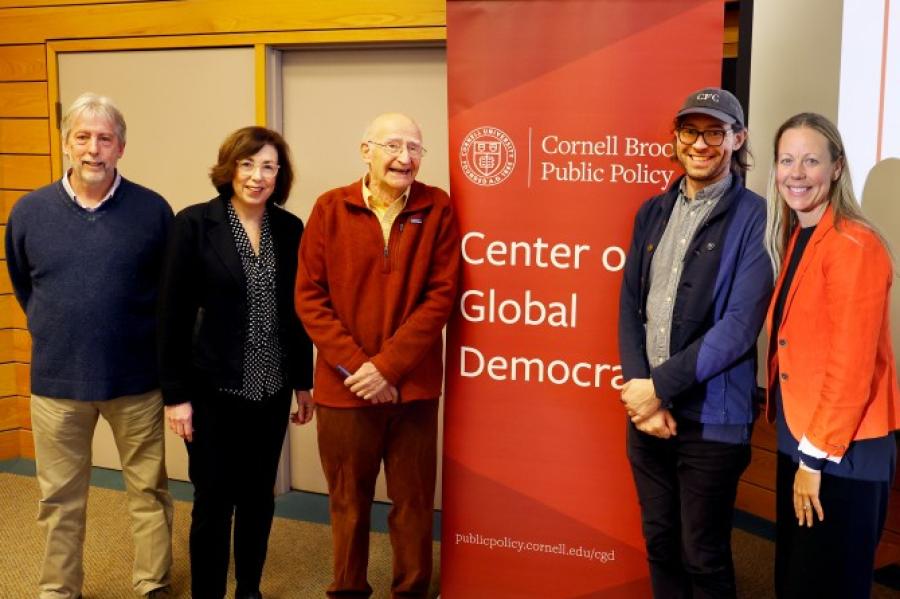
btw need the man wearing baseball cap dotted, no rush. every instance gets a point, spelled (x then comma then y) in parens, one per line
(696, 285)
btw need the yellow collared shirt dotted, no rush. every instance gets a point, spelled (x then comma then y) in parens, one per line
(386, 214)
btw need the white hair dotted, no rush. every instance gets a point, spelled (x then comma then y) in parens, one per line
(94, 105)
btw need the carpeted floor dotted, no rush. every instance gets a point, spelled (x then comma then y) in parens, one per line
(298, 566)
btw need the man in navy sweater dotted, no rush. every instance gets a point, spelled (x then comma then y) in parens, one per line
(84, 257)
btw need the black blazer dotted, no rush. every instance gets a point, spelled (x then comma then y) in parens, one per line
(203, 304)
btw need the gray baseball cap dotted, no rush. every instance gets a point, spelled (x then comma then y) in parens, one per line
(714, 102)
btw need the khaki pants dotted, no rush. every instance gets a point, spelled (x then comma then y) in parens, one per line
(63, 430)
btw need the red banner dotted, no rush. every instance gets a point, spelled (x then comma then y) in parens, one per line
(560, 126)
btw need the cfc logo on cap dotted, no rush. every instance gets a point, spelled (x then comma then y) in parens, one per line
(487, 156)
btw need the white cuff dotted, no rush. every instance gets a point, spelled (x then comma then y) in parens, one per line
(806, 447)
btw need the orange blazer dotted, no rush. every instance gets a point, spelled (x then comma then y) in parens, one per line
(833, 351)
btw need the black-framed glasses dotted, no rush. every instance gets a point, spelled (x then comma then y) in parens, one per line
(395, 148)
(711, 137)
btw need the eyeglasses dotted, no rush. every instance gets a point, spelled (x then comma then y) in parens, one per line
(267, 170)
(711, 137)
(395, 148)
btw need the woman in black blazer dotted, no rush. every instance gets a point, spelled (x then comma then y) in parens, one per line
(231, 350)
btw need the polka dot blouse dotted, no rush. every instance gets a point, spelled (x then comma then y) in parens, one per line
(262, 376)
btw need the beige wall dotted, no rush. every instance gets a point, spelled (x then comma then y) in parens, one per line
(178, 104)
(795, 68)
(330, 95)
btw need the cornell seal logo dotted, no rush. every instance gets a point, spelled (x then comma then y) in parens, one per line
(487, 156)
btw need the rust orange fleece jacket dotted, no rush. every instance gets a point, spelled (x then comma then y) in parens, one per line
(361, 300)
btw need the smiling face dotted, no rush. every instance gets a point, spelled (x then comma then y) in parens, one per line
(94, 149)
(390, 175)
(804, 172)
(704, 164)
(255, 177)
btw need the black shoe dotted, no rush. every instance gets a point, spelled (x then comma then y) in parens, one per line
(251, 595)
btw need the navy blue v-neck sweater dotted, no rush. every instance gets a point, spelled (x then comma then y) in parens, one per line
(87, 282)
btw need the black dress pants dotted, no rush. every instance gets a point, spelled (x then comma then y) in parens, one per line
(233, 461)
(687, 486)
(834, 558)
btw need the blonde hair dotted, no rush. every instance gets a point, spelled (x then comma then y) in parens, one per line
(781, 220)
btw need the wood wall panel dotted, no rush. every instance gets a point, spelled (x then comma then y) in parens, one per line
(8, 380)
(19, 171)
(23, 99)
(33, 3)
(21, 346)
(22, 379)
(10, 445)
(2, 244)
(6, 311)
(17, 316)
(23, 63)
(764, 434)
(10, 409)
(5, 283)
(6, 346)
(37, 25)
(756, 490)
(761, 471)
(888, 550)
(24, 412)
(26, 443)
(8, 198)
(11, 315)
(892, 521)
(24, 136)
(756, 500)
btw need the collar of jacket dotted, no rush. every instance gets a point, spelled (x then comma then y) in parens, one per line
(418, 200)
(721, 207)
(217, 212)
(825, 224)
(222, 240)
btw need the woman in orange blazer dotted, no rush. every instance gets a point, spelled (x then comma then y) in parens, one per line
(831, 374)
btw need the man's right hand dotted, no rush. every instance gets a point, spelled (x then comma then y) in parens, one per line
(181, 420)
(369, 384)
(661, 424)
